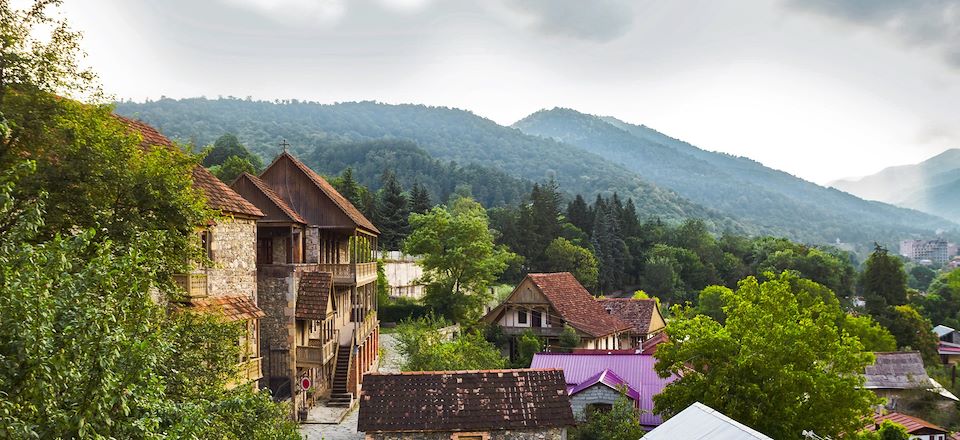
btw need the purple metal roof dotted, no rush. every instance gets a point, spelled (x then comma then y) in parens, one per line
(636, 370)
(607, 378)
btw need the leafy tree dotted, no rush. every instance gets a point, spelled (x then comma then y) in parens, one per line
(393, 211)
(883, 281)
(886, 431)
(232, 168)
(920, 277)
(564, 256)
(569, 338)
(528, 344)
(871, 334)
(912, 330)
(661, 276)
(460, 260)
(419, 199)
(622, 422)
(426, 349)
(941, 304)
(759, 368)
(228, 146)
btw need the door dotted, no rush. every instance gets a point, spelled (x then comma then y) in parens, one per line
(537, 319)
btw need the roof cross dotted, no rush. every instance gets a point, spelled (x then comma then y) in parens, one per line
(284, 145)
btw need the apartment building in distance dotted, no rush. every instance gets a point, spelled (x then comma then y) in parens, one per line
(933, 252)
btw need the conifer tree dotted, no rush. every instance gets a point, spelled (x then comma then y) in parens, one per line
(348, 187)
(883, 282)
(578, 213)
(393, 209)
(419, 199)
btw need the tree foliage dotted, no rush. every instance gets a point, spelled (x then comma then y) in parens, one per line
(759, 368)
(564, 256)
(424, 348)
(883, 281)
(622, 422)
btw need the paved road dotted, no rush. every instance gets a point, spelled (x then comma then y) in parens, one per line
(347, 429)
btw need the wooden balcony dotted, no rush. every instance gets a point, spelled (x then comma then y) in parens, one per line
(309, 357)
(194, 284)
(364, 328)
(351, 273)
(539, 331)
(330, 349)
(247, 372)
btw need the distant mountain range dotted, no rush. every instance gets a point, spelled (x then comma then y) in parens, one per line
(931, 186)
(666, 177)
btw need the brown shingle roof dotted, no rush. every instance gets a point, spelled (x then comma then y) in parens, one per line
(912, 424)
(351, 211)
(233, 308)
(636, 312)
(219, 195)
(896, 370)
(575, 305)
(464, 401)
(272, 195)
(312, 295)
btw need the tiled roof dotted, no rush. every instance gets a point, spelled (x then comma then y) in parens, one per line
(608, 378)
(272, 195)
(912, 424)
(944, 347)
(896, 370)
(312, 295)
(650, 345)
(575, 305)
(636, 312)
(219, 195)
(464, 401)
(634, 369)
(351, 211)
(233, 308)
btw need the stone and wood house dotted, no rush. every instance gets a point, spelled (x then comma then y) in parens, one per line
(546, 302)
(316, 277)
(595, 379)
(465, 405)
(643, 315)
(225, 284)
(899, 377)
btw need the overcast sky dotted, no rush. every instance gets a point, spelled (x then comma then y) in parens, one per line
(823, 89)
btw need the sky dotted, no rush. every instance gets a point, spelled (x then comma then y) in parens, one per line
(822, 89)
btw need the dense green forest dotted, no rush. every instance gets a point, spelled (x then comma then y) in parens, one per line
(779, 203)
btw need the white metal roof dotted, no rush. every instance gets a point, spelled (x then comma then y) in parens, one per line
(941, 330)
(699, 421)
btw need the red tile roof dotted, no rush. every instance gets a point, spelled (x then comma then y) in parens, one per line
(218, 194)
(575, 305)
(233, 308)
(351, 211)
(272, 195)
(650, 345)
(912, 424)
(636, 312)
(492, 400)
(313, 294)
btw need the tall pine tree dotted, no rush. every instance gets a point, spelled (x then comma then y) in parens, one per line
(579, 215)
(348, 187)
(609, 246)
(419, 199)
(394, 210)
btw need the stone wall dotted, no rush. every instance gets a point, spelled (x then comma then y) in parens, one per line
(276, 300)
(598, 393)
(312, 236)
(233, 246)
(518, 434)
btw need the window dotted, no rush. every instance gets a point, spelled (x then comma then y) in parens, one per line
(598, 407)
(521, 316)
(470, 436)
(205, 244)
(537, 318)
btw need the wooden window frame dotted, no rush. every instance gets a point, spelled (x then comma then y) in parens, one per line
(469, 435)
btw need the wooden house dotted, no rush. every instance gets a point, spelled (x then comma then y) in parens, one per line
(316, 275)
(643, 315)
(546, 302)
(226, 284)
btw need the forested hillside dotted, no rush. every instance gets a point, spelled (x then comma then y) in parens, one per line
(931, 186)
(776, 202)
(446, 134)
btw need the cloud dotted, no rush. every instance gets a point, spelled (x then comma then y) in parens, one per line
(924, 23)
(323, 11)
(597, 20)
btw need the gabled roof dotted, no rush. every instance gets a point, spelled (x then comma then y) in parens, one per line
(636, 312)
(902, 370)
(608, 378)
(270, 195)
(699, 421)
(636, 370)
(492, 400)
(233, 308)
(912, 424)
(219, 195)
(575, 305)
(351, 211)
(313, 294)
(650, 345)
(942, 330)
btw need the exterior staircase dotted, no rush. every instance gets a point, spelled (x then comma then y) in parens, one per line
(339, 396)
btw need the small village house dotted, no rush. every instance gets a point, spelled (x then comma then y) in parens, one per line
(546, 302)
(900, 376)
(595, 378)
(700, 422)
(316, 277)
(643, 315)
(918, 429)
(227, 283)
(465, 405)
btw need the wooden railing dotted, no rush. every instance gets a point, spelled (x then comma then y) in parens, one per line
(351, 273)
(364, 328)
(309, 357)
(195, 284)
(247, 371)
(330, 348)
